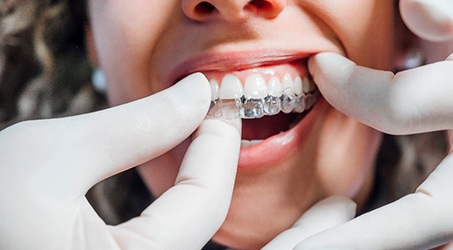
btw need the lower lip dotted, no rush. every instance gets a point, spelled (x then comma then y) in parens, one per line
(278, 148)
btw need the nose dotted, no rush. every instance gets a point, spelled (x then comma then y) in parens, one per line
(232, 10)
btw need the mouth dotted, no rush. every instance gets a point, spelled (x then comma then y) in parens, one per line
(272, 98)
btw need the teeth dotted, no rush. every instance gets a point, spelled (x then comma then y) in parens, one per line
(274, 87)
(252, 108)
(255, 87)
(231, 87)
(227, 109)
(287, 85)
(256, 98)
(308, 86)
(300, 104)
(287, 103)
(248, 144)
(272, 105)
(214, 89)
(298, 86)
(311, 99)
(255, 90)
(272, 101)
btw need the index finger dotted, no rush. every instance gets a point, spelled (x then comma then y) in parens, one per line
(74, 153)
(189, 213)
(412, 101)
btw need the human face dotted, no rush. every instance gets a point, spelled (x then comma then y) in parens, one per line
(144, 46)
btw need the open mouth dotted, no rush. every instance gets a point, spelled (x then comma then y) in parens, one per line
(274, 95)
(270, 99)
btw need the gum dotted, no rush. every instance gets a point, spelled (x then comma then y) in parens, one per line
(293, 69)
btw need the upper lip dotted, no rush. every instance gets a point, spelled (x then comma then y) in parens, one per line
(232, 61)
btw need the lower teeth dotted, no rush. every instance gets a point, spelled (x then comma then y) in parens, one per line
(257, 108)
(247, 143)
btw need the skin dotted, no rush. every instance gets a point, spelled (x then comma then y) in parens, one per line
(138, 43)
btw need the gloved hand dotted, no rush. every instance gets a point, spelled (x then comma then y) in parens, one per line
(47, 166)
(328, 213)
(412, 101)
(430, 20)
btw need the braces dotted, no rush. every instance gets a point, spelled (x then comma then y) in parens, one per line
(250, 108)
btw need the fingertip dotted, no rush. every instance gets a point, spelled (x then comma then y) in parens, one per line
(339, 206)
(194, 91)
(330, 69)
(319, 60)
(430, 20)
(195, 86)
(342, 201)
(345, 204)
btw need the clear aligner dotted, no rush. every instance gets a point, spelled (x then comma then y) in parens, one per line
(252, 108)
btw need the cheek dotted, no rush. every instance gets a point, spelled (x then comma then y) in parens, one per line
(346, 160)
(125, 35)
(366, 30)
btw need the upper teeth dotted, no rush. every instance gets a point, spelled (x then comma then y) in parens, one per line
(255, 86)
(256, 97)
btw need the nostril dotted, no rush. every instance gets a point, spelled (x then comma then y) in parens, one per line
(266, 8)
(232, 10)
(204, 8)
(261, 4)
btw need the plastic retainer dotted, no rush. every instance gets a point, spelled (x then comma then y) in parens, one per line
(249, 108)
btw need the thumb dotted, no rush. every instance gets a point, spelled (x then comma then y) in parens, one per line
(430, 20)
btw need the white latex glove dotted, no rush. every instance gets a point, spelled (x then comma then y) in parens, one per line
(431, 20)
(412, 101)
(328, 213)
(47, 166)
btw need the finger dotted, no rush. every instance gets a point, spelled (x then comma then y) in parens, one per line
(430, 20)
(188, 215)
(134, 133)
(75, 153)
(417, 221)
(411, 101)
(323, 215)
